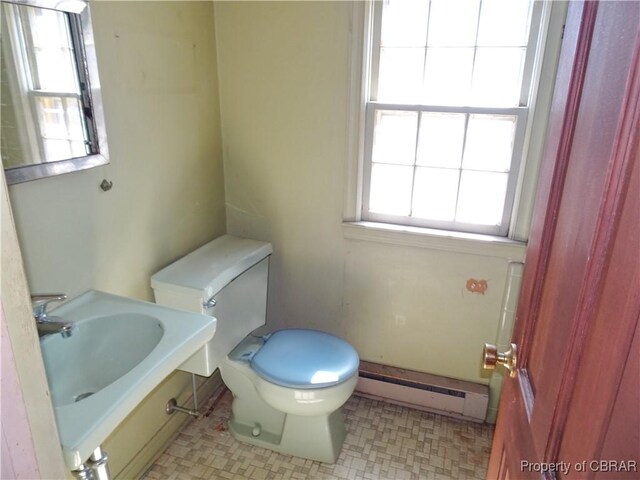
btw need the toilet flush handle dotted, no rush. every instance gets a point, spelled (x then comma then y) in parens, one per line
(209, 303)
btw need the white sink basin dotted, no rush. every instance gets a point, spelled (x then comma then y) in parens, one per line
(120, 349)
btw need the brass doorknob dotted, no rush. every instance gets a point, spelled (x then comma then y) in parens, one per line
(491, 358)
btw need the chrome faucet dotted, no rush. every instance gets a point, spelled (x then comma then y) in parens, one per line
(45, 323)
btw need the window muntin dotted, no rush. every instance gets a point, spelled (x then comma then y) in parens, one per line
(444, 134)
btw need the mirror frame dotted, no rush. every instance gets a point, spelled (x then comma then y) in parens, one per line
(34, 171)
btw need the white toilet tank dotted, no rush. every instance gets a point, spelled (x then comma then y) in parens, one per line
(227, 279)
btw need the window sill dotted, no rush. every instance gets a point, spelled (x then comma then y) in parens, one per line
(449, 241)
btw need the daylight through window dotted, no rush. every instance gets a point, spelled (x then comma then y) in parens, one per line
(448, 104)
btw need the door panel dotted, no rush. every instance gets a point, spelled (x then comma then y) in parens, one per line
(569, 276)
(567, 294)
(612, 394)
(621, 440)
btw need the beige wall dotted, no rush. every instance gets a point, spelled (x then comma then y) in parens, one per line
(157, 63)
(284, 84)
(283, 80)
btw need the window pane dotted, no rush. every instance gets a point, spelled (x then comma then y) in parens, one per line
(489, 143)
(390, 189)
(48, 28)
(56, 121)
(56, 149)
(481, 198)
(78, 149)
(504, 23)
(51, 117)
(434, 193)
(441, 138)
(497, 76)
(54, 68)
(400, 78)
(453, 23)
(74, 119)
(404, 23)
(394, 137)
(60, 122)
(56, 71)
(447, 77)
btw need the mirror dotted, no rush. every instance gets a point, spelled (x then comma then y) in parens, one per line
(51, 109)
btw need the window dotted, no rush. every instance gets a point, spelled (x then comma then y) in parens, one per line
(447, 109)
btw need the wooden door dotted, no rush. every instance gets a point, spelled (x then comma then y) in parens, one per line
(574, 401)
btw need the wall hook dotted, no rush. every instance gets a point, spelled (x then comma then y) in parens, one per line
(106, 185)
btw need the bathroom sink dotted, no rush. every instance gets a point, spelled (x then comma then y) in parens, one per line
(119, 351)
(114, 344)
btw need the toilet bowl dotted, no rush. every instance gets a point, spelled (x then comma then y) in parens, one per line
(288, 386)
(288, 389)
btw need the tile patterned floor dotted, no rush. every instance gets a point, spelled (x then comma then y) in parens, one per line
(384, 442)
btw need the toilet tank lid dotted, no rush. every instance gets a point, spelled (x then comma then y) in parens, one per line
(211, 267)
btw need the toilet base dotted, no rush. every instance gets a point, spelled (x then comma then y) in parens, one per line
(317, 438)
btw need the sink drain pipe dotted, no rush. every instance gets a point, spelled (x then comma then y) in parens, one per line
(172, 405)
(96, 468)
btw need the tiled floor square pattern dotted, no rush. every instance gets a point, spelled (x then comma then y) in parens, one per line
(384, 442)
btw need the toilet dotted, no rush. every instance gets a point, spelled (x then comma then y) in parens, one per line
(288, 386)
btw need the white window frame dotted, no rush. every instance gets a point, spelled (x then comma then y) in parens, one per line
(500, 230)
(529, 137)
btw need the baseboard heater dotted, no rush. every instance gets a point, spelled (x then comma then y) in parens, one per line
(446, 396)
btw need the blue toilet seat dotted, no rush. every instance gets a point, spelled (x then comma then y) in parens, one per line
(305, 359)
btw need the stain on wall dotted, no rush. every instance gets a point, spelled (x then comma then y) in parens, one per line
(477, 286)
